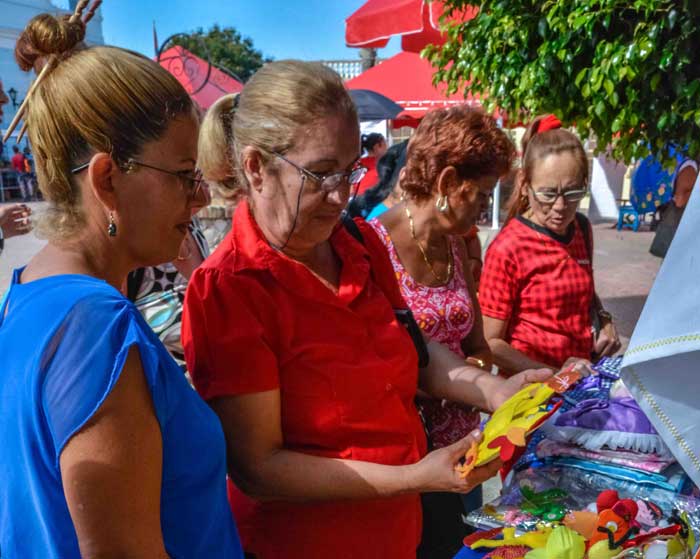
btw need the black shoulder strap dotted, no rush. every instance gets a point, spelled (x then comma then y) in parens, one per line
(583, 224)
(403, 316)
(352, 228)
(133, 283)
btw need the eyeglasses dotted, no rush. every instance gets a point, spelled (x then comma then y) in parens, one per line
(192, 184)
(550, 195)
(333, 181)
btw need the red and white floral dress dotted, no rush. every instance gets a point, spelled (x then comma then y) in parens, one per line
(446, 314)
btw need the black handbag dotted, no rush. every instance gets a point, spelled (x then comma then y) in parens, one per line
(666, 229)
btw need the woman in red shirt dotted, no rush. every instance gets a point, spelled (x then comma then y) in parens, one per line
(537, 293)
(374, 146)
(290, 334)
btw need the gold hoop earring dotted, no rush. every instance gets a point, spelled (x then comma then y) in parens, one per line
(442, 204)
(112, 227)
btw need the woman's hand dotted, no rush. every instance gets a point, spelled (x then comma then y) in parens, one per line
(608, 341)
(581, 366)
(506, 387)
(436, 472)
(14, 220)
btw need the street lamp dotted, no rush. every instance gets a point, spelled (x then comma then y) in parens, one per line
(12, 92)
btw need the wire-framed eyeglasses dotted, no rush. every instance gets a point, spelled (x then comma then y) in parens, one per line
(332, 181)
(549, 195)
(192, 183)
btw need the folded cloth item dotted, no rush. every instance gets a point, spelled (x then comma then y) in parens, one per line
(595, 424)
(654, 463)
(671, 480)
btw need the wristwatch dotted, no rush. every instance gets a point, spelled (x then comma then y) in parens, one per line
(604, 315)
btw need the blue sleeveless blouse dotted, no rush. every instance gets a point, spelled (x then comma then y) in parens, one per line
(63, 343)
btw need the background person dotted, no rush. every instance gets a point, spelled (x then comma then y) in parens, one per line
(107, 451)
(385, 193)
(453, 162)
(290, 334)
(373, 147)
(537, 292)
(14, 220)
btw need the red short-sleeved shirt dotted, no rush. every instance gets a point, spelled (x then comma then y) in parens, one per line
(542, 285)
(371, 178)
(255, 320)
(17, 162)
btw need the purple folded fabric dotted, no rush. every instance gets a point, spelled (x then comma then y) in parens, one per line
(616, 423)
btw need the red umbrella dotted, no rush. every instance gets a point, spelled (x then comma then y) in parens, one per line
(407, 79)
(417, 21)
(204, 83)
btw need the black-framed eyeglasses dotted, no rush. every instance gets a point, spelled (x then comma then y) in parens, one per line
(332, 181)
(550, 195)
(192, 183)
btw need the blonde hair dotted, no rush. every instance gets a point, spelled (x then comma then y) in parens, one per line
(96, 99)
(279, 99)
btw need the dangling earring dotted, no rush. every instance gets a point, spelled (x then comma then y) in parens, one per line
(112, 227)
(188, 252)
(442, 204)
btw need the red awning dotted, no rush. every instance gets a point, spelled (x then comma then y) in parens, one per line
(417, 21)
(191, 72)
(406, 78)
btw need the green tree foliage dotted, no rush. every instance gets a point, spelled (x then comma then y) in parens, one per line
(627, 71)
(227, 48)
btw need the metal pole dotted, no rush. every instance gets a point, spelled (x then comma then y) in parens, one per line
(496, 209)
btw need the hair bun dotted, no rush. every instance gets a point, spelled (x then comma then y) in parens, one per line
(46, 35)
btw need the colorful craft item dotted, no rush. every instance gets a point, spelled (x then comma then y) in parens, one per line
(510, 424)
(564, 380)
(684, 542)
(616, 525)
(563, 543)
(546, 505)
(647, 537)
(482, 535)
(583, 522)
(595, 424)
(511, 552)
(469, 463)
(533, 540)
(649, 513)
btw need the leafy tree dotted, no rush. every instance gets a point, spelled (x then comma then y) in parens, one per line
(227, 48)
(626, 71)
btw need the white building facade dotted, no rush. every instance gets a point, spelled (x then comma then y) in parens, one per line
(14, 15)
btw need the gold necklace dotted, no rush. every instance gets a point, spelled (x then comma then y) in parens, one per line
(439, 279)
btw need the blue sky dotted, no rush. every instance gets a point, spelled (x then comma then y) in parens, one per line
(305, 29)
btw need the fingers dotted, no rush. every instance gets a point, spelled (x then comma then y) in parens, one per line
(481, 474)
(537, 375)
(583, 367)
(18, 224)
(458, 450)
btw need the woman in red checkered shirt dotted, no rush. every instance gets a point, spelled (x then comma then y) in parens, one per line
(537, 293)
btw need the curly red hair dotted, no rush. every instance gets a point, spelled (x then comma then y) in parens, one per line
(462, 137)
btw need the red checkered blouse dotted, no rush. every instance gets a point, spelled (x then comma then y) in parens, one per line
(541, 284)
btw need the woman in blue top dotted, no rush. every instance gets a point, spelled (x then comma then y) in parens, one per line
(106, 450)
